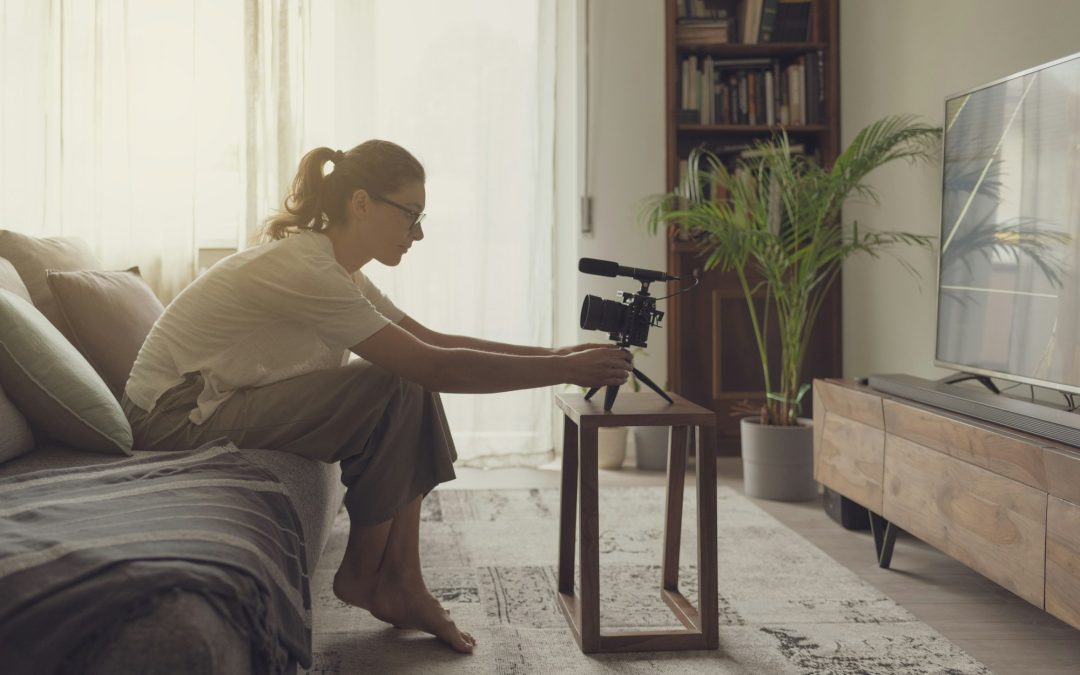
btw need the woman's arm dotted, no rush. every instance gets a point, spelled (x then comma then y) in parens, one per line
(471, 371)
(462, 342)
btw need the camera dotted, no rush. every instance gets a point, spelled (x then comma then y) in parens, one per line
(627, 323)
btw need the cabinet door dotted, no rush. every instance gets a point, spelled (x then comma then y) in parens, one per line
(849, 442)
(1063, 560)
(994, 525)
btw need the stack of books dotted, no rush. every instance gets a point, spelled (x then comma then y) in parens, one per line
(700, 23)
(764, 21)
(753, 91)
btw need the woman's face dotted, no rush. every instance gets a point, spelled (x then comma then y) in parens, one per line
(387, 224)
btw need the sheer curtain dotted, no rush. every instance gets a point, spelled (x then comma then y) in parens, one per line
(151, 129)
(148, 129)
(471, 94)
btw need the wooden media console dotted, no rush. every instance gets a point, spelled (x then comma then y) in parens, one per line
(1003, 502)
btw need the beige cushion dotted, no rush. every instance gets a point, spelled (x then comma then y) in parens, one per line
(54, 386)
(110, 314)
(11, 281)
(31, 256)
(15, 436)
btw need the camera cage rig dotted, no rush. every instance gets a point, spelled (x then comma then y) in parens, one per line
(631, 319)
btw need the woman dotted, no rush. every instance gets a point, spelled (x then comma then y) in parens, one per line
(255, 349)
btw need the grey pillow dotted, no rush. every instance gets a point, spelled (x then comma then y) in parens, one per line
(31, 256)
(15, 436)
(110, 315)
(10, 280)
(54, 386)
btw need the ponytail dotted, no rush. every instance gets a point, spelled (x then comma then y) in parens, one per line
(317, 200)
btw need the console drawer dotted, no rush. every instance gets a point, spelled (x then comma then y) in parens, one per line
(1063, 473)
(849, 400)
(995, 450)
(849, 442)
(1063, 561)
(850, 458)
(992, 524)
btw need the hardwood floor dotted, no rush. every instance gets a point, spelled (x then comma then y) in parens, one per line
(996, 627)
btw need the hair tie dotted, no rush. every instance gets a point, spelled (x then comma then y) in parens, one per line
(337, 157)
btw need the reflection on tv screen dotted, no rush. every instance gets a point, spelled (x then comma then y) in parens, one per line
(1010, 224)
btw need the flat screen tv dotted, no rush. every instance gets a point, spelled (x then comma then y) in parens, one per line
(1008, 281)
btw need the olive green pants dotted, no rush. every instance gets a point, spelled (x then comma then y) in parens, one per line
(389, 434)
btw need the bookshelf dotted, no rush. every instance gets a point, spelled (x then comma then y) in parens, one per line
(712, 359)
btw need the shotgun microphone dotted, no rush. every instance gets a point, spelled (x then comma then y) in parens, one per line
(607, 268)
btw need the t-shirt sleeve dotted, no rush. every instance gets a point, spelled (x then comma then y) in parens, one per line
(316, 291)
(378, 298)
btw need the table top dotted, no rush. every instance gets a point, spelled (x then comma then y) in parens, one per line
(633, 408)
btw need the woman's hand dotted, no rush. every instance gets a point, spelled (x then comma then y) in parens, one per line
(566, 351)
(596, 366)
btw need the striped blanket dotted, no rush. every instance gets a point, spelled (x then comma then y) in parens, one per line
(84, 550)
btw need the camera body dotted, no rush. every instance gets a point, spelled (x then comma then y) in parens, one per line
(627, 322)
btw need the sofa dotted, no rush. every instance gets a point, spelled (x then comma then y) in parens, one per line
(103, 316)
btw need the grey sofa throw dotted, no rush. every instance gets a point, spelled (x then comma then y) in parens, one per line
(84, 550)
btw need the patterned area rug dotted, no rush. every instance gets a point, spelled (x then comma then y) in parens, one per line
(490, 556)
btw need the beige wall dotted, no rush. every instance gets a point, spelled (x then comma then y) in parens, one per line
(906, 57)
(626, 151)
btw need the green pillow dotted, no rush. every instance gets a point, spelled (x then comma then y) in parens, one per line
(53, 385)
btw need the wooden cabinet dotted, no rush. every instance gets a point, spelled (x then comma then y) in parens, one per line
(1004, 503)
(712, 357)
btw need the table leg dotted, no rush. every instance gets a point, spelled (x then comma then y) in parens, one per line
(568, 506)
(706, 494)
(590, 539)
(676, 478)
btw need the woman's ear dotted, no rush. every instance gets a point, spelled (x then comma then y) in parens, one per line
(358, 203)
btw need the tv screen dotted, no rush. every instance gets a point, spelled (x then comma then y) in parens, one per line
(1008, 301)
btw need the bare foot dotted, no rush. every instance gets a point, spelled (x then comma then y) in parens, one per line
(404, 606)
(353, 590)
(407, 606)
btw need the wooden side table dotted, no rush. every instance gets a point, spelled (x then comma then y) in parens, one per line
(579, 481)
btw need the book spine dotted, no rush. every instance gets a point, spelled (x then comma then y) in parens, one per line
(770, 109)
(707, 116)
(744, 103)
(821, 85)
(768, 20)
(751, 95)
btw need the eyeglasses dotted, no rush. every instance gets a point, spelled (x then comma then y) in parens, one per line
(416, 216)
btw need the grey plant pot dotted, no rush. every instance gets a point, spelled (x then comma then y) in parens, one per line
(778, 462)
(651, 447)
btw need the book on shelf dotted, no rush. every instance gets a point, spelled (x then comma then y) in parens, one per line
(752, 91)
(768, 20)
(750, 20)
(689, 10)
(792, 21)
(703, 34)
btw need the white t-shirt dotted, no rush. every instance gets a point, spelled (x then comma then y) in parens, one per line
(259, 316)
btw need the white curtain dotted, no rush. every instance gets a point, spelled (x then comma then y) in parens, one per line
(146, 128)
(470, 92)
(153, 129)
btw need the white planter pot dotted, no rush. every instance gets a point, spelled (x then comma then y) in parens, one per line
(651, 447)
(611, 447)
(778, 462)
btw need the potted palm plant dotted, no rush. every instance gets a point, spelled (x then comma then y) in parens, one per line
(780, 222)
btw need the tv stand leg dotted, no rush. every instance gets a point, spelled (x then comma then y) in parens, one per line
(963, 377)
(884, 538)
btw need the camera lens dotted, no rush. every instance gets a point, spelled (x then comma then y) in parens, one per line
(600, 314)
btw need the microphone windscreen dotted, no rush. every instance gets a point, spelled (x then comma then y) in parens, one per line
(603, 268)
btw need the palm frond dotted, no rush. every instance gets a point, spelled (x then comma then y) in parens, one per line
(779, 217)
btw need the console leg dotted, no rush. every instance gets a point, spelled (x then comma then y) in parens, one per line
(884, 538)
